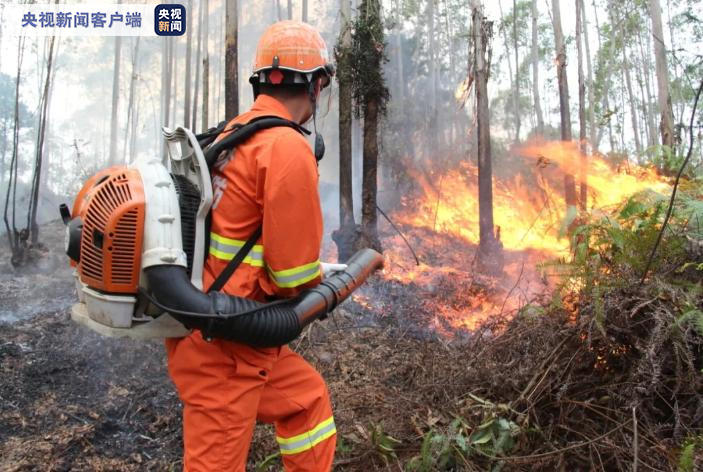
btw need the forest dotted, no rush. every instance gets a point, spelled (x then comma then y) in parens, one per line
(530, 171)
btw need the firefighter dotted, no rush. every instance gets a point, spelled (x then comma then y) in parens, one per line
(271, 180)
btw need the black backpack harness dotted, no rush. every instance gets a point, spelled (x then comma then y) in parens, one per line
(239, 133)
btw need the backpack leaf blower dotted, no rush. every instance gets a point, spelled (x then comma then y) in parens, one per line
(137, 238)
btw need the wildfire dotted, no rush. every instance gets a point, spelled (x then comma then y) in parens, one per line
(529, 213)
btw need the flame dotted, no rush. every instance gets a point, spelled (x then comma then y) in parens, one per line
(529, 213)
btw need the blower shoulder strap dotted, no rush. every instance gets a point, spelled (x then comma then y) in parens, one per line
(239, 134)
(232, 265)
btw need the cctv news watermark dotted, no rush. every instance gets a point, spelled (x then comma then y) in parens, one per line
(95, 20)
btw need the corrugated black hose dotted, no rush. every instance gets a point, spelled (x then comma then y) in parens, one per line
(219, 315)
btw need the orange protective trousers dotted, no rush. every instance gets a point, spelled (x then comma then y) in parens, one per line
(225, 387)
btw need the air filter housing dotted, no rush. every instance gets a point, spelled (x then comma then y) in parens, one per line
(113, 226)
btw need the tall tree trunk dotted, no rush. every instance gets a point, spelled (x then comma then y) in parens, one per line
(34, 198)
(644, 73)
(652, 120)
(189, 52)
(369, 182)
(5, 141)
(535, 71)
(632, 100)
(666, 125)
(11, 193)
(606, 75)
(510, 65)
(129, 127)
(589, 75)
(115, 99)
(290, 9)
(372, 107)
(516, 89)
(206, 70)
(165, 89)
(173, 65)
(196, 86)
(433, 126)
(564, 111)
(344, 236)
(490, 254)
(305, 11)
(583, 168)
(231, 62)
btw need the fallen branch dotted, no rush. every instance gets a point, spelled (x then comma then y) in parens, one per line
(417, 261)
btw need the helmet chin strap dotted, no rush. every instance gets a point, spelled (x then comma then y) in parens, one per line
(319, 141)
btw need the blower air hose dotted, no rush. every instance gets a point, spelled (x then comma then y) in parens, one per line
(223, 316)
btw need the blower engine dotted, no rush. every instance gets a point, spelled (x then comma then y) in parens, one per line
(136, 237)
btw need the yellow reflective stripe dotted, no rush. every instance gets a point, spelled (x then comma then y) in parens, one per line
(234, 242)
(226, 256)
(226, 248)
(308, 439)
(296, 276)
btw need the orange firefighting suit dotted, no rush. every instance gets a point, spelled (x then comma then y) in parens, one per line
(226, 386)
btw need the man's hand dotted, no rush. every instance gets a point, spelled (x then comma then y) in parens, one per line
(329, 268)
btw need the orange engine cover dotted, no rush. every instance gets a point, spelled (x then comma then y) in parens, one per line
(111, 205)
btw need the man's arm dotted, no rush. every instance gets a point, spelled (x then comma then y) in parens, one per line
(292, 224)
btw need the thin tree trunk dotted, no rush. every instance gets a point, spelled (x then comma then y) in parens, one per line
(11, 193)
(206, 70)
(231, 62)
(130, 107)
(516, 89)
(290, 9)
(647, 93)
(5, 141)
(490, 250)
(666, 125)
(371, 109)
(173, 65)
(651, 99)
(370, 174)
(34, 199)
(115, 99)
(196, 86)
(305, 11)
(535, 71)
(510, 65)
(169, 84)
(589, 75)
(189, 52)
(633, 102)
(433, 126)
(583, 168)
(606, 75)
(564, 111)
(344, 237)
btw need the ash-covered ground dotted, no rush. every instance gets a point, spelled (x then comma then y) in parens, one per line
(73, 400)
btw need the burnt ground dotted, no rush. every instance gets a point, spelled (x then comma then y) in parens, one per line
(72, 400)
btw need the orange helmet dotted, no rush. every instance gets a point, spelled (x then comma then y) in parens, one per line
(291, 52)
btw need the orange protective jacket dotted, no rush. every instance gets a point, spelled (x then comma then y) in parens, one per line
(271, 179)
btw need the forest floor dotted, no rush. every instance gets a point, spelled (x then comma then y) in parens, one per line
(403, 399)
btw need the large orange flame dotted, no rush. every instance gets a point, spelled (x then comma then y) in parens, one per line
(529, 212)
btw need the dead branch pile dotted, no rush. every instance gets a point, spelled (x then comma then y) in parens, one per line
(581, 392)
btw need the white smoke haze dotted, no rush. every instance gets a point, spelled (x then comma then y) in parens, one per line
(78, 131)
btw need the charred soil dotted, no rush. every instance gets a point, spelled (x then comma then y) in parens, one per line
(543, 389)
